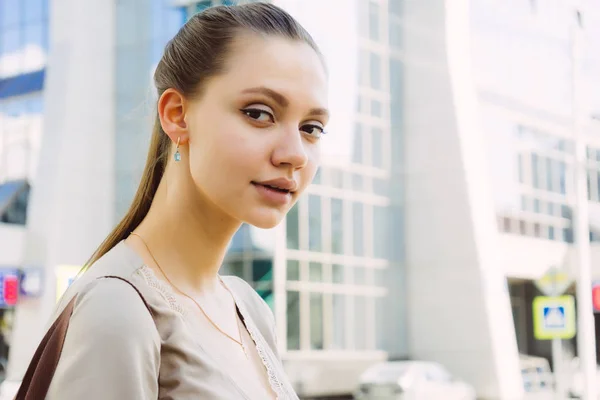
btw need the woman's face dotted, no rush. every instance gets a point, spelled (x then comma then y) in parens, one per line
(254, 135)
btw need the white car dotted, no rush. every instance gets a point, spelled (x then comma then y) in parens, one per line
(411, 380)
(537, 376)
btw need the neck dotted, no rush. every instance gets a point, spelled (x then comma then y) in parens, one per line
(186, 237)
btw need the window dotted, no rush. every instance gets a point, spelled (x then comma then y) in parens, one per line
(524, 203)
(337, 273)
(360, 323)
(363, 21)
(23, 23)
(337, 226)
(357, 156)
(376, 108)
(549, 176)
(316, 321)
(375, 68)
(383, 327)
(377, 147)
(568, 235)
(396, 7)
(562, 177)
(34, 10)
(293, 270)
(535, 173)
(293, 320)
(315, 272)
(379, 277)
(10, 40)
(522, 228)
(292, 228)
(363, 67)
(381, 186)
(9, 14)
(337, 178)
(358, 229)
(339, 322)
(358, 182)
(374, 25)
(14, 198)
(262, 270)
(382, 232)
(395, 32)
(360, 276)
(536, 205)
(314, 223)
(551, 233)
(520, 166)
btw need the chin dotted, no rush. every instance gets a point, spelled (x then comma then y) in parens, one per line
(265, 219)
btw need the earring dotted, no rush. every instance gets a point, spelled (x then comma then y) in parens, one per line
(177, 154)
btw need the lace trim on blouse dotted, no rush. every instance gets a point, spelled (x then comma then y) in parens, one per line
(166, 291)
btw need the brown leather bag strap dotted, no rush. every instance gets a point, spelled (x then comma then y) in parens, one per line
(43, 364)
(42, 367)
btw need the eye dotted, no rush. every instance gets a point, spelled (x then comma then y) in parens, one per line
(258, 114)
(313, 130)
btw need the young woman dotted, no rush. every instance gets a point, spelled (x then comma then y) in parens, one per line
(242, 106)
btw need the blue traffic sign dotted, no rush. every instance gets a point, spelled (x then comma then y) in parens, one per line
(554, 317)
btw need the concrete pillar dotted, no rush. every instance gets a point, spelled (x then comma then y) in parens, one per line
(460, 312)
(72, 202)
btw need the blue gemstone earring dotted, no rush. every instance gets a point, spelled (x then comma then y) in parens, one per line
(177, 154)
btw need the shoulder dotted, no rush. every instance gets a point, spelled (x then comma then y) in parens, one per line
(118, 261)
(111, 338)
(109, 307)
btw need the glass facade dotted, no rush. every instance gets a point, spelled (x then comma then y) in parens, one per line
(23, 51)
(526, 112)
(338, 242)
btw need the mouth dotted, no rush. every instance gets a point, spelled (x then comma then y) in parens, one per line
(273, 188)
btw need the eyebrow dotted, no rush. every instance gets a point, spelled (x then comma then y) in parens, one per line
(282, 101)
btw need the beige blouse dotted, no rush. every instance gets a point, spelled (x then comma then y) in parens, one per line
(116, 349)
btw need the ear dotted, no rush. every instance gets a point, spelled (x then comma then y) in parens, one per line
(171, 111)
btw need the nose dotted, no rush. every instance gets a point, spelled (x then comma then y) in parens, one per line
(290, 150)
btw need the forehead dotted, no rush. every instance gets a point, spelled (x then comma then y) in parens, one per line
(291, 68)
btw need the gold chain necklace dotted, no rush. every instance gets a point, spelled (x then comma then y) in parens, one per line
(239, 342)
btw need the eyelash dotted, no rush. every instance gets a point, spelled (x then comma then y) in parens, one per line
(248, 111)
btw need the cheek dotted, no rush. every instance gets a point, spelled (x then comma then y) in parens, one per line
(226, 151)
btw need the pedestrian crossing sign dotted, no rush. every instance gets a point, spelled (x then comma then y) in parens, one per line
(554, 317)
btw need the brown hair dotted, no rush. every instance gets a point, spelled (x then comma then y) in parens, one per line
(197, 52)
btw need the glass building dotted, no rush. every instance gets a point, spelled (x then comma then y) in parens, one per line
(23, 55)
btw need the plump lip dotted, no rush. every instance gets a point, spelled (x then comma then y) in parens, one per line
(279, 183)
